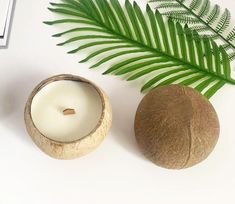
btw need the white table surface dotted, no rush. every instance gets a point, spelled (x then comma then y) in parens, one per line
(116, 172)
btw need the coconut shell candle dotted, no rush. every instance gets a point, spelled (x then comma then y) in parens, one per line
(176, 127)
(67, 116)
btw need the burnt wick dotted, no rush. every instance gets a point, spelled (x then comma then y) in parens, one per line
(69, 111)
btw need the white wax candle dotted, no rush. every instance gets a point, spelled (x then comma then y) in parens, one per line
(50, 102)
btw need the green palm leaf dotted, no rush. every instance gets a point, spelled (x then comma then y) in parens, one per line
(143, 46)
(201, 16)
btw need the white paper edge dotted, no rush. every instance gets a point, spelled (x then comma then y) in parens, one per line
(3, 15)
(4, 40)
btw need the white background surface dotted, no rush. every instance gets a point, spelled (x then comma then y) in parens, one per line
(116, 172)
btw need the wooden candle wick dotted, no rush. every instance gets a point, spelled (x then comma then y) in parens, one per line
(69, 111)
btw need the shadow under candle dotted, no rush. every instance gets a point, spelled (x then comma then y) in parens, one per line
(13, 97)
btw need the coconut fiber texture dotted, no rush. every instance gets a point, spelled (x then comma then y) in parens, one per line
(176, 127)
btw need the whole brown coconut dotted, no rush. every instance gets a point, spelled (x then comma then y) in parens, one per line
(176, 127)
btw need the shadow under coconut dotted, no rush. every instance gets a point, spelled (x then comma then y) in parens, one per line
(124, 104)
(13, 97)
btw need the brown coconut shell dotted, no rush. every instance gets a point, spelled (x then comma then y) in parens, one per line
(77, 148)
(176, 127)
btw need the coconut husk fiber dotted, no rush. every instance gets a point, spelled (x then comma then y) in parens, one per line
(176, 127)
